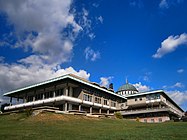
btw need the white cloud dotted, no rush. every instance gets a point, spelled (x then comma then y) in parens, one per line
(136, 3)
(177, 85)
(100, 18)
(178, 96)
(18, 75)
(39, 26)
(171, 44)
(180, 70)
(105, 81)
(141, 88)
(164, 4)
(91, 54)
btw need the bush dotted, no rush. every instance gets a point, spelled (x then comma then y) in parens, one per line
(138, 119)
(28, 112)
(118, 115)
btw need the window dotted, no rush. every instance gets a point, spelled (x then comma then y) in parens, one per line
(98, 100)
(105, 102)
(113, 104)
(152, 120)
(87, 97)
(145, 120)
(160, 120)
(140, 99)
(135, 99)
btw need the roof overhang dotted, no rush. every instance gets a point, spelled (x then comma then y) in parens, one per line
(68, 76)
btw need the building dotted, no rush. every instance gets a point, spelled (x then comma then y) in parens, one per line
(70, 93)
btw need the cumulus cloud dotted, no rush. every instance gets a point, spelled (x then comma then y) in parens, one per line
(180, 97)
(105, 81)
(39, 26)
(171, 44)
(18, 75)
(47, 30)
(141, 88)
(180, 70)
(91, 54)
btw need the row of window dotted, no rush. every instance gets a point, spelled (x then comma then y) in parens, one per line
(45, 95)
(153, 97)
(138, 99)
(153, 120)
(87, 97)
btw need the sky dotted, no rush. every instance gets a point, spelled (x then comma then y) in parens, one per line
(104, 41)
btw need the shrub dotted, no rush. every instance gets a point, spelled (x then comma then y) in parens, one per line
(118, 115)
(138, 119)
(28, 112)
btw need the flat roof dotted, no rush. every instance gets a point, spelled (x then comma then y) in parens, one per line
(69, 76)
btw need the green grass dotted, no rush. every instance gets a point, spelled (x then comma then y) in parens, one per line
(18, 126)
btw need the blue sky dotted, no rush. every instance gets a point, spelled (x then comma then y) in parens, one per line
(103, 41)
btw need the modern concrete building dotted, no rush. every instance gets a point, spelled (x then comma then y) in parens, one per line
(70, 93)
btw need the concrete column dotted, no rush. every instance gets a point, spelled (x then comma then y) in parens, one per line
(43, 96)
(70, 91)
(33, 99)
(91, 110)
(80, 107)
(69, 106)
(18, 100)
(66, 91)
(66, 107)
(10, 100)
(100, 111)
(108, 111)
(54, 94)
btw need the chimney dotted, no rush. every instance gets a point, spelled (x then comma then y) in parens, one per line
(111, 86)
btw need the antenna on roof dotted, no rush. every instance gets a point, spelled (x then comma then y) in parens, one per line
(127, 81)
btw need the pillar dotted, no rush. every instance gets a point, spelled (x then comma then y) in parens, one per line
(80, 107)
(69, 106)
(70, 91)
(108, 111)
(66, 91)
(90, 109)
(100, 111)
(54, 94)
(10, 100)
(33, 99)
(18, 100)
(66, 107)
(43, 96)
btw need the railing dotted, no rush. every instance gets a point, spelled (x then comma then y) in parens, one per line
(56, 99)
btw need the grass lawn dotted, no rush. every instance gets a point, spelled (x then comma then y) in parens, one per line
(48, 126)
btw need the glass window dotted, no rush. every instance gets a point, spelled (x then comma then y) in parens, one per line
(113, 104)
(160, 119)
(98, 100)
(105, 102)
(152, 120)
(87, 97)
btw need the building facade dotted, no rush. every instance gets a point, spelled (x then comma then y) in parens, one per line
(71, 93)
